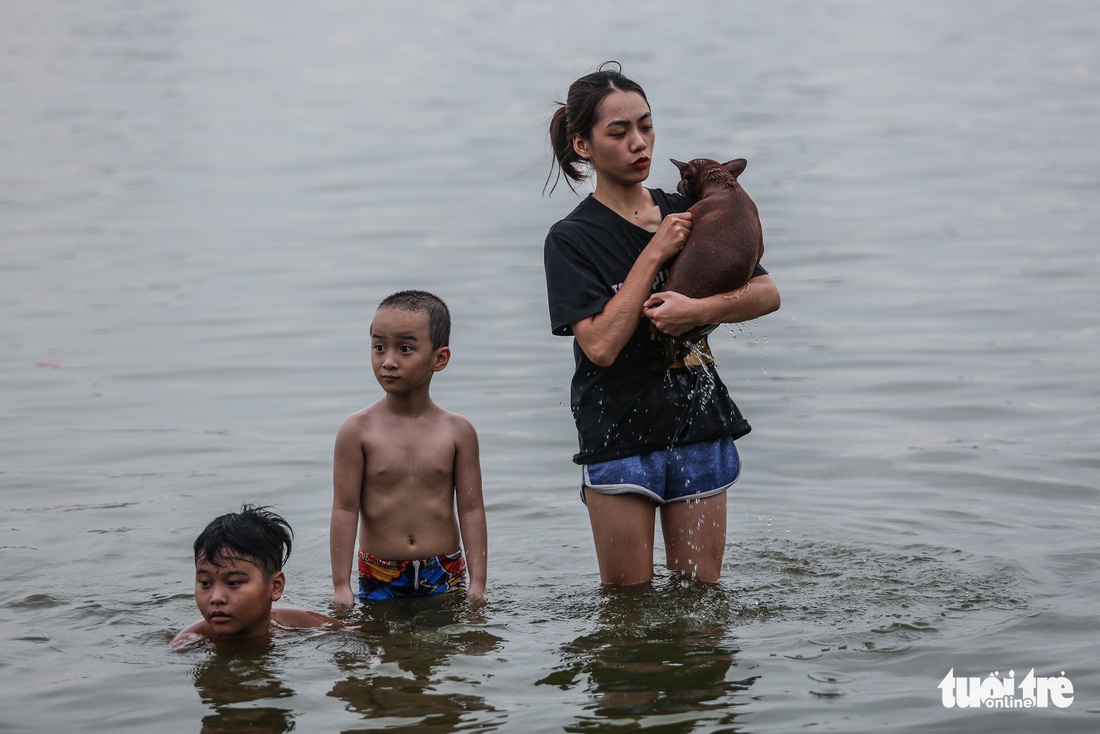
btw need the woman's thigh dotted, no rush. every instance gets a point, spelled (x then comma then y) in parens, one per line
(622, 528)
(695, 536)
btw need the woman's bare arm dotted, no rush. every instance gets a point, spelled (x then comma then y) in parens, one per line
(674, 313)
(604, 335)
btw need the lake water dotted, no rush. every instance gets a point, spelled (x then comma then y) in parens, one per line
(201, 204)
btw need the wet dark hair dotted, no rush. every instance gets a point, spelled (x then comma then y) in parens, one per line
(254, 534)
(439, 317)
(578, 115)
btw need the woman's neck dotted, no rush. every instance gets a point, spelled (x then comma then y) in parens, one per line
(634, 204)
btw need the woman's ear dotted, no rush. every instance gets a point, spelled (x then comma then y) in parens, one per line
(581, 147)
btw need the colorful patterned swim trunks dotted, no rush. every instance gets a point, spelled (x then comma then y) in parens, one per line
(379, 579)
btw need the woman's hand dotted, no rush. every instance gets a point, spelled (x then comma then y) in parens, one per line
(672, 313)
(672, 235)
(603, 335)
(675, 313)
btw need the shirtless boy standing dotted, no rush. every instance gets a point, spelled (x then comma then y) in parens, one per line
(406, 472)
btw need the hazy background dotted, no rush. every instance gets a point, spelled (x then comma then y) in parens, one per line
(201, 204)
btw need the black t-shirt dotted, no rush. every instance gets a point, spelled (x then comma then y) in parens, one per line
(627, 408)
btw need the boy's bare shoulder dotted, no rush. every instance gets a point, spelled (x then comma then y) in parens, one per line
(377, 417)
(363, 416)
(459, 424)
(197, 631)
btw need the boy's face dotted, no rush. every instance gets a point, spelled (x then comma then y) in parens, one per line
(401, 351)
(234, 597)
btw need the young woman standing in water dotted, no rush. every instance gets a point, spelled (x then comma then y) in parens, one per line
(648, 440)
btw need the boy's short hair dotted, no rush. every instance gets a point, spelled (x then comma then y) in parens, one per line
(255, 534)
(439, 317)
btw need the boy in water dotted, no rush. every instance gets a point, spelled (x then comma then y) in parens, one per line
(406, 472)
(239, 561)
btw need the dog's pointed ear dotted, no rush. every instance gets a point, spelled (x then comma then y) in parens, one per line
(679, 164)
(736, 167)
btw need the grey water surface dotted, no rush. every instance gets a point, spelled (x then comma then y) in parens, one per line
(201, 203)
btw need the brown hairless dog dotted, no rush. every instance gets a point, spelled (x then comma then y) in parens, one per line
(726, 241)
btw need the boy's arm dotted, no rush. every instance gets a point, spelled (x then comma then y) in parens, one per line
(471, 510)
(292, 617)
(347, 482)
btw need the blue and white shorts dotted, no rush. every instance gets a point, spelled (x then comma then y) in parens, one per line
(688, 472)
